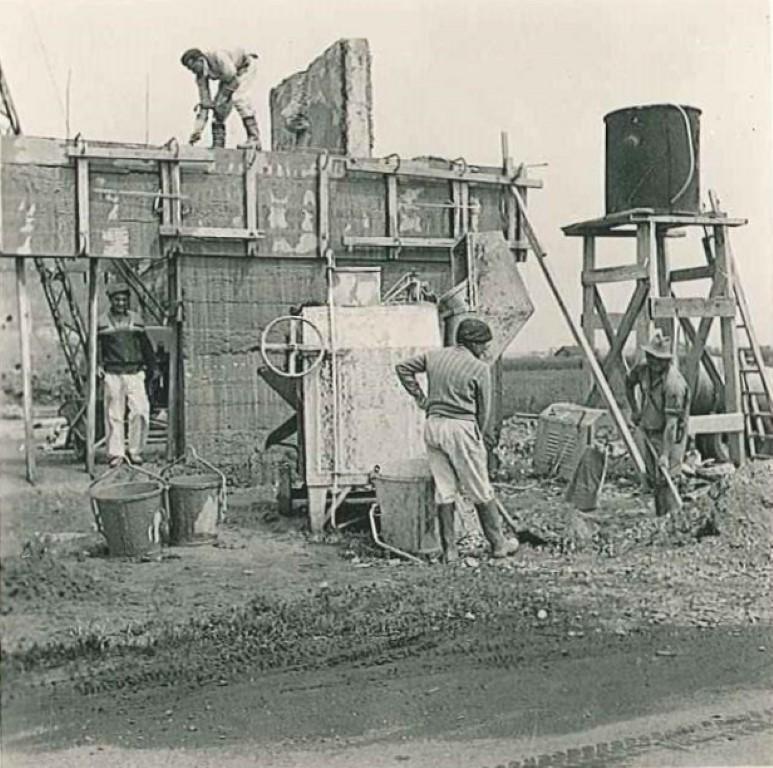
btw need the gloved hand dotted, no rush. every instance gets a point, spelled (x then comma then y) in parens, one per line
(194, 137)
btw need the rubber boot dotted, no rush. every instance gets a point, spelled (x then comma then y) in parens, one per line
(445, 516)
(218, 135)
(253, 134)
(490, 521)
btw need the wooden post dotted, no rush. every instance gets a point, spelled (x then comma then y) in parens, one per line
(588, 295)
(91, 408)
(667, 325)
(25, 329)
(723, 280)
(644, 258)
(84, 249)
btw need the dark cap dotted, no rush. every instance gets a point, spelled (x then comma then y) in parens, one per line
(473, 330)
(190, 55)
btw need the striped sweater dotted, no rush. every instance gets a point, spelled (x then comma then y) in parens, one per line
(459, 384)
(123, 345)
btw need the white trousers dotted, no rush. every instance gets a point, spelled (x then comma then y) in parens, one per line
(122, 389)
(241, 99)
(457, 460)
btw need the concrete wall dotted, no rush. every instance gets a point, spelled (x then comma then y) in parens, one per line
(229, 411)
(327, 106)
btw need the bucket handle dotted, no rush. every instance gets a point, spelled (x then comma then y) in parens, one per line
(132, 468)
(190, 451)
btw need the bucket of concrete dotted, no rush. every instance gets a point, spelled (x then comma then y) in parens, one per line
(406, 500)
(196, 501)
(129, 514)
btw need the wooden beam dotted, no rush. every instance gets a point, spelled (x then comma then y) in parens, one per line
(588, 291)
(251, 201)
(715, 423)
(645, 257)
(393, 219)
(692, 273)
(613, 318)
(91, 392)
(323, 205)
(663, 282)
(580, 338)
(598, 225)
(670, 307)
(418, 169)
(356, 241)
(83, 246)
(615, 354)
(211, 233)
(614, 274)
(609, 322)
(25, 331)
(708, 363)
(689, 220)
(180, 154)
(724, 281)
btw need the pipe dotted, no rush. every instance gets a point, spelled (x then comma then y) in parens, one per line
(329, 256)
(383, 544)
(691, 172)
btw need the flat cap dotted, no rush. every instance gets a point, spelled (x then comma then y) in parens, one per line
(190, 55)
(473, 330)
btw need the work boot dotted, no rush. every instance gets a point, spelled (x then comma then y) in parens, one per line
(114, 461)
(218, 135)
(445, 516)
(488, 514)
(136, 458)
(253, 134)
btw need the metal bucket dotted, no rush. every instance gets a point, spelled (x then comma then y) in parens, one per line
(195, 508)
(129, 515)
(653, 159)
(406, 498)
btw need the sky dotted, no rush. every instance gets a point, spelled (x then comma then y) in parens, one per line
(448, 77)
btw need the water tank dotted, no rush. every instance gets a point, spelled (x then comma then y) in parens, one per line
(652, 156)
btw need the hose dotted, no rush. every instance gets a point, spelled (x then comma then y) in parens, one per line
(691, 173)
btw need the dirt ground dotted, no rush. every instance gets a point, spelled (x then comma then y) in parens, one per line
(608, 640)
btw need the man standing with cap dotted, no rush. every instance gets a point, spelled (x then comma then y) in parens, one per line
(124, 355)
(457, 405)
(660, 415)
(234, 70)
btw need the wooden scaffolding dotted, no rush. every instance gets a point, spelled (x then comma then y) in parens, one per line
(654, 303)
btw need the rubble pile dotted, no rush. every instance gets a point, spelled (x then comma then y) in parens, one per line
(516, 448)
(739, 509)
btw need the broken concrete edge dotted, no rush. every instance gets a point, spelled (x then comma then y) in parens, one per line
(333, 97)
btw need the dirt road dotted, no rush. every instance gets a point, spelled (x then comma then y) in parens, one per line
(280, 649)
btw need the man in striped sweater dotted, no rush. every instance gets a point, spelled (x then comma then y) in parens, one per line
(124, 355)
(457, 405)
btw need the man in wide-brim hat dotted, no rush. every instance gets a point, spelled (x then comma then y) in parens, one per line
(660, 403)
(457, 404)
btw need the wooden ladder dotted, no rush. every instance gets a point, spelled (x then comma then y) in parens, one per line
(751, 368)
(752, 374)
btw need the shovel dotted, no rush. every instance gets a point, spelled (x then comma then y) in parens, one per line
(664, 472)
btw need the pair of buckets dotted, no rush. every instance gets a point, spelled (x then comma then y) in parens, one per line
(137, 516)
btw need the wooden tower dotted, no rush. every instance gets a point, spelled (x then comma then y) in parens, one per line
(654, 303)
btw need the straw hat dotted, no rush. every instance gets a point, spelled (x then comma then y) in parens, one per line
(659, 346)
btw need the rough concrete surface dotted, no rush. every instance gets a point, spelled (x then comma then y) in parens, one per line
(329, 105)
